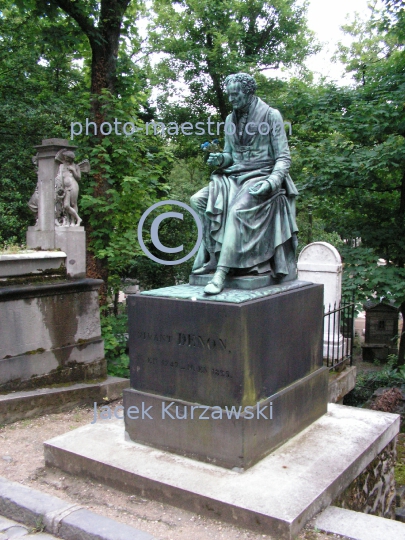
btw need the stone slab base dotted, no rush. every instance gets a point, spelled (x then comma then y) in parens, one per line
(276, 496)
(215, 435)
(341, 384)
(29, 404)
(37, 239)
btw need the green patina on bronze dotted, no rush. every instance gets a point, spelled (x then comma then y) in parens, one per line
(233, 296)
(248, 208)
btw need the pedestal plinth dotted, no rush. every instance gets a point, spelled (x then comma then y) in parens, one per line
(72, 240)
(251, 368)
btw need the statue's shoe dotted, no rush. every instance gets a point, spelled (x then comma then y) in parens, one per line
(206, 269)
(216, 285)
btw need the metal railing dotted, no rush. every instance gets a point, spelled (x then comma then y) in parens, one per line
(339, 334)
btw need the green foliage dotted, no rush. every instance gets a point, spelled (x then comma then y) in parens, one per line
(133, 171)
(114, 330)
(38, 81)
(368, 382)
(364, 277)
(205, 41)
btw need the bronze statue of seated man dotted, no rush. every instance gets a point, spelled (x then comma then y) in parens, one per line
(248, 208)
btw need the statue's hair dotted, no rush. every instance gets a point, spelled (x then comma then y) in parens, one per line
(246, 81)
(69, 153)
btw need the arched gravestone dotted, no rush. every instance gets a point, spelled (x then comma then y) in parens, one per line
(321, 263)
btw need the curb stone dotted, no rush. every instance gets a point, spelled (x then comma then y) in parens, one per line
(63, 519)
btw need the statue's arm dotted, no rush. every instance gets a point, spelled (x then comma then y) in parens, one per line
(77, 172)
(281, 151)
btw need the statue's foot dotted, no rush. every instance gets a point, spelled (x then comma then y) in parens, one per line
(206, 269)
(217, 283)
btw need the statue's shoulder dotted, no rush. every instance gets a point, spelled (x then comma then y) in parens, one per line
(274, 114)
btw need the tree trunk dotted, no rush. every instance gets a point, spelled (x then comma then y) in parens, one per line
(401, 352)
(104, 42)
(216, 80)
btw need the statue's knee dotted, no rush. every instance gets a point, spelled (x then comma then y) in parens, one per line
(194, 200)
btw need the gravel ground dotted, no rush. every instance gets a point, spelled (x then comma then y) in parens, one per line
(21, 460)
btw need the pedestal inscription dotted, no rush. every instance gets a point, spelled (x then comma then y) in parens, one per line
(224, 354)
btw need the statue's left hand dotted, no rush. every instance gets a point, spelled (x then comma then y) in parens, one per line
(260, 188)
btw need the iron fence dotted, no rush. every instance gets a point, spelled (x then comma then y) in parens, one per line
(339, 334)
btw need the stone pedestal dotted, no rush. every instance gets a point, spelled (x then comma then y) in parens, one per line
(72, 240)
(253, 365)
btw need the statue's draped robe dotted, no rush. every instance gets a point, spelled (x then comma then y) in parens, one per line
(248, 232)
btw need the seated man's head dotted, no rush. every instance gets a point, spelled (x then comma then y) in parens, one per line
(240, 88)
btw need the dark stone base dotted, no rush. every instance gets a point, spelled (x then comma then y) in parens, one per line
(227, 442)
(223, 354)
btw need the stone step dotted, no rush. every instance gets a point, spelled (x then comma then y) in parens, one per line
(31, 403)
(358, 526)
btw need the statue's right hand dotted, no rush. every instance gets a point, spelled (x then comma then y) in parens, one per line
(215, 159)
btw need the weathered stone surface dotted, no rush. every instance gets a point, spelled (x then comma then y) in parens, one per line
(358, 526)
(320, 262)
(67, 521)
(72, 240)
(29, 404)
(221, 354)
(48, 329)
(36, 262)
(217, 436)
(89, 526)
(277, 496)
(42, 235)
(24, 504)
(341, 383)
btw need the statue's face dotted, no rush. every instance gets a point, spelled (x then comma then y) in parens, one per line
(236, 95)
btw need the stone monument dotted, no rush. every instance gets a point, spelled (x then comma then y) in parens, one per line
(320, 262)
(50, 332)
(54, 204)
(242, 341)
(227, 372)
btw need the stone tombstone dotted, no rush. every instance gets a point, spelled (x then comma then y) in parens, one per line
(55, 204)
(320, 262)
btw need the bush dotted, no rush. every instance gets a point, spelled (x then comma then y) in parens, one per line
(368, 382)
(114, 329)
